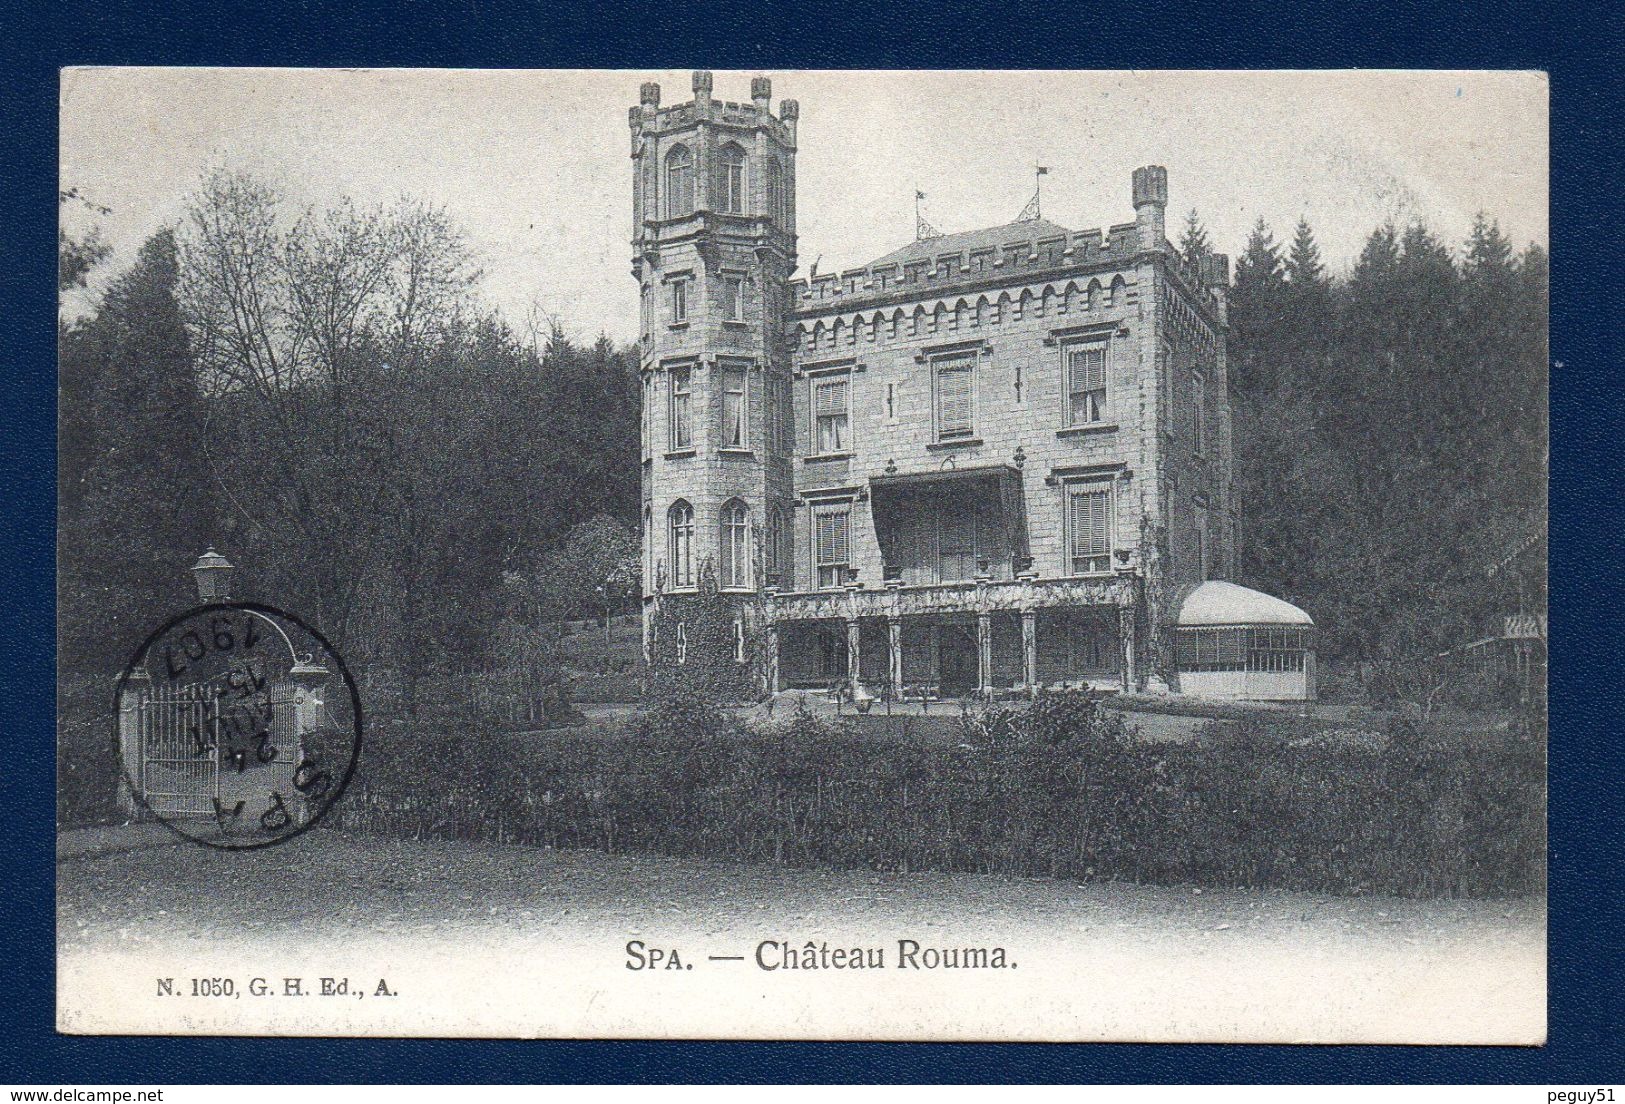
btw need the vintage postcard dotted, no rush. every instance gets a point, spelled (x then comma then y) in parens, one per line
(1050, 556)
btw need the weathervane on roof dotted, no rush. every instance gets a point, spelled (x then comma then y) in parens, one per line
(922, 229)
(1033, 211)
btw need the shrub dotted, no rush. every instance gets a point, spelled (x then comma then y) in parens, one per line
(1057, 790)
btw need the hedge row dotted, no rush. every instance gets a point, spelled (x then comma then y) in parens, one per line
(1055, 791)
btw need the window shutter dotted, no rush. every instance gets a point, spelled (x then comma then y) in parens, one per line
(831, 398)
(1090, 519)
(954, 398)
(1079, 521)
(1100, 539)
(832, 537)
(1088, 369)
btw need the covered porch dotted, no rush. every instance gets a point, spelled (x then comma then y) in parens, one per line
(955, 641)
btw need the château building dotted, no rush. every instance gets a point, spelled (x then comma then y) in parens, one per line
(995, 459)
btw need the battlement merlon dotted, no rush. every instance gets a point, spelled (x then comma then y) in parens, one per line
(1084, 252)
(648, 117)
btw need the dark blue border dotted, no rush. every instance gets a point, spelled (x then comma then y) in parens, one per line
(1572, 41)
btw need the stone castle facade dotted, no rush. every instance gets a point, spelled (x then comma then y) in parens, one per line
(987, 460)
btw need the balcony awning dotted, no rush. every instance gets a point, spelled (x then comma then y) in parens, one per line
(943, 475)
(1003, 479)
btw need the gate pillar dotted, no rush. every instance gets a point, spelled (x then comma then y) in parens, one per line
(133, 697)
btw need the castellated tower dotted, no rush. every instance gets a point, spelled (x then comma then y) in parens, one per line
(714, 245)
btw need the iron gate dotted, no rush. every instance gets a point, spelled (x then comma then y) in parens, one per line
(197, 748)
(180, 751)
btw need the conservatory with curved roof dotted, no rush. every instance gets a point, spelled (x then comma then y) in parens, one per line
(1235, 643)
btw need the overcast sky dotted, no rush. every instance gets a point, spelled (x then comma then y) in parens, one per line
(534, 164)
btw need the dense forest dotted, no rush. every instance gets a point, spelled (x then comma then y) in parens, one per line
(322, 395)
(1390, 433)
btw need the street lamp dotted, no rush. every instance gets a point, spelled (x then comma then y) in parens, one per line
(214, 574)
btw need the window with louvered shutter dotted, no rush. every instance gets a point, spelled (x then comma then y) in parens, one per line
(830, 415)
(1089, 525)
(1086, 384)
(831, 547)
(956, 381)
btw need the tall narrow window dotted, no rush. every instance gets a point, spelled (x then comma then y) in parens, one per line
(679, 302)
(735, 545)
(831, 415)
(682, 398)
(787, 547)
(956, 384)
(648, 550)
(831, 549)
(648, 415)
(733, 298)
(1201, 543)
(734, 409)
(1085, 384)
(771, 550)
(1198, 414)
(730, 196)
(1089, 528)
(679, 182)
(680, 544)
(775, 191)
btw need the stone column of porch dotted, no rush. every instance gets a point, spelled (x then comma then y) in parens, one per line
(984, 653)
(894, 638)
(1029, 651)
(854, 654)
(1125, 636)
(984, 636)
(770, 641)
(894, 654)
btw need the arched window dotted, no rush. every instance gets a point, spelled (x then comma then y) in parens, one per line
(775, 192)
(680, 543)
(679, 182)
(735, 544)
(730, 197)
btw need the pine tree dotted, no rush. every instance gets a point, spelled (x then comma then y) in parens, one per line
(1303, 265)
(140, 508)
(1193, 243)
(1488, 251)
(1256, 307)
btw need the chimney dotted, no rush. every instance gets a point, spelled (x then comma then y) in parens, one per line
(789, 112)
(649, 97)
(1151, 205)
(702, 85)
(761, 94)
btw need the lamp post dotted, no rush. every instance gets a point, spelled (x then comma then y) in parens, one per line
(214, 574)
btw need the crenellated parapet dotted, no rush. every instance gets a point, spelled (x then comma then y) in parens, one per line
(1017, 258)
(650, 119)
(842, 322)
